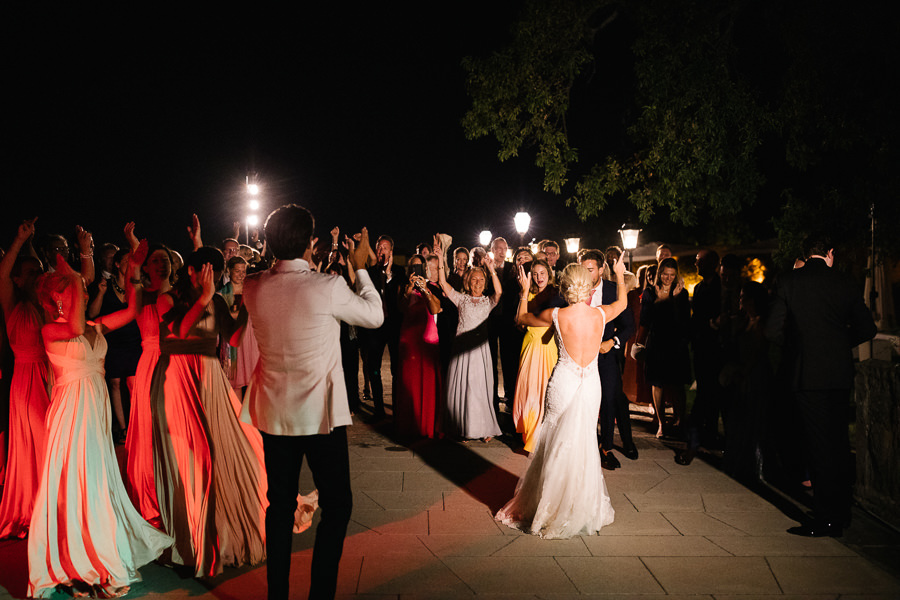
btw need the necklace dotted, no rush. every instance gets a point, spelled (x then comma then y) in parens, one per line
(116, 287)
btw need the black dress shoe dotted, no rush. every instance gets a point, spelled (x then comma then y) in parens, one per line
(685, 458)
(630, 452)
(608, 460)
(817, 530)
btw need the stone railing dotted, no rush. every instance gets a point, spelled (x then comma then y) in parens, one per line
(878, 438)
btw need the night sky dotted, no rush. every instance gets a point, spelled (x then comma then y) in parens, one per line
(353, 112)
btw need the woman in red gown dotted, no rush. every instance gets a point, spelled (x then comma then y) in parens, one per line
(416, 400)
(30, 386)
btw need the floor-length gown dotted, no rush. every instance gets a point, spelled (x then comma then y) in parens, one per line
(469, 412)
(418, 395)
(29, 399)
(210, 472)
(563, 493)
(139, 479)
(84, 530)
(539, 355)
(536, 362)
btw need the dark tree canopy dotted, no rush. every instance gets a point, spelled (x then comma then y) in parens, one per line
(736, 110)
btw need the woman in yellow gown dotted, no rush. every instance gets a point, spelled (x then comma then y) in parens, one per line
(538, 356)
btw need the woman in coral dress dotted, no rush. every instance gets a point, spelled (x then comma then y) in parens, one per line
(85, 533)
(419, 392)
(140, 477)
(29, 389)
(538, 357)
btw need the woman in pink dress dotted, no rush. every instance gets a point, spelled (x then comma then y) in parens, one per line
(238, 361)
(84, 533)
(140, 478)
(29, 390)
(416, 399)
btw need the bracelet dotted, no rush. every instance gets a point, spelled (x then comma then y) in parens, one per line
(91, 255)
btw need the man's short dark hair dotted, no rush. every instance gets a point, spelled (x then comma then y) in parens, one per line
(817, 244)
(423, 246)
(594, 255)
(289, 229)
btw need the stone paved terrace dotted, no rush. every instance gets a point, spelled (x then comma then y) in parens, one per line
(422, 529)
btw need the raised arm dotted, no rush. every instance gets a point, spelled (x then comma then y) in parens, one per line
(523, 317)
(133, 289)
(74, 323)
(498, 287)
(442, 267)
(7, 288)
(621, 303)
(208, 289)
(86, 248)
(194, 232)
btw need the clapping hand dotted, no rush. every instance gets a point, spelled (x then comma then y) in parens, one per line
(360, 254)
(679, 285)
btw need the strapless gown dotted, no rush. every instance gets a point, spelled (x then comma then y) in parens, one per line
(563, 493)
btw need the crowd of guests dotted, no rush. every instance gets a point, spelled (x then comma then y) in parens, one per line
(138, 346)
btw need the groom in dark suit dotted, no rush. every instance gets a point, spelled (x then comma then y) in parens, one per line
(614, 403)
(823, 315)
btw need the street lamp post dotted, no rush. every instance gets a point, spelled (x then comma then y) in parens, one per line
(630, 236)
(522, 220)
(252, 219)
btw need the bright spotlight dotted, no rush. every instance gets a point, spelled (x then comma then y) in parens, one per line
(253, 189)
(485, 237)
(252, 220)
(254, 205)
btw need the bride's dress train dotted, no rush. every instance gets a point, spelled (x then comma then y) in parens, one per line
(563, 493)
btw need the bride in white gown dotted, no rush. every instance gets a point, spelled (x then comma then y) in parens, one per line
(85, 533)
(562, 493)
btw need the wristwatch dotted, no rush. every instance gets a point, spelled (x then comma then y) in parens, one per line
(617, 344)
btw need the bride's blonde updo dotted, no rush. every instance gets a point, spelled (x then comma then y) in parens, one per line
(575, 284)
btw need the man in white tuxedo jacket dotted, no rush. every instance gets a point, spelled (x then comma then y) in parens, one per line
(297, 397)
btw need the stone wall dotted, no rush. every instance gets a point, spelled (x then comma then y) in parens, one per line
(878, 438)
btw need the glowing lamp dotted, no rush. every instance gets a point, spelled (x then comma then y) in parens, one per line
(522, 220)
(485, 237)
(572, 245)
(629, 237)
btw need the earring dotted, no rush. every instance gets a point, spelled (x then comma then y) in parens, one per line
(59, 307)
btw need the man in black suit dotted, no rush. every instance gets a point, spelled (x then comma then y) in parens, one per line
(823, 315)
(614, 403)
(502, 331)
(389, 279)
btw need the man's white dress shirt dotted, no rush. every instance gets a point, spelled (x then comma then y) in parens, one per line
(298, 386)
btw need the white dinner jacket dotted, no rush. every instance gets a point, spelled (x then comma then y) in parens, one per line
(297, 387)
